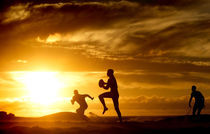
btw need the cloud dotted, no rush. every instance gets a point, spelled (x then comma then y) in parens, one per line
(174, 32)
(22, 61)
(161, 78)
(16, 13)
(143, 35)
(157, 102)
(53, 38)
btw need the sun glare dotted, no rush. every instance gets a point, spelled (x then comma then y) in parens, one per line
(43, 87)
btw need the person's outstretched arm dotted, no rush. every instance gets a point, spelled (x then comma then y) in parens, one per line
(87, 95)
(190, 100)
(73, 100)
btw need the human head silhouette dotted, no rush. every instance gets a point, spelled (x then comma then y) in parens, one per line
(75, 92)
(193, 88)
(110, 72)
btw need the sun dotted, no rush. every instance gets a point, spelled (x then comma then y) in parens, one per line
(43, 87)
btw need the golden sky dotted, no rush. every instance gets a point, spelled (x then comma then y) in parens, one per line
(158, 49)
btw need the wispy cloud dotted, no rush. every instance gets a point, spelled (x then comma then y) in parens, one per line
(111, 30)
(16, 13)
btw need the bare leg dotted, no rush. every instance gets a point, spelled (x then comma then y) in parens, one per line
(116, 106)
(81, 110)
(101, 98)
(194, 109)
(199, 111)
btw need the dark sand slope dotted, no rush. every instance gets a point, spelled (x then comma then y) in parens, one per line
(63, 123)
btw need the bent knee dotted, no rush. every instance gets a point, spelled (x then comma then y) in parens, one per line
(85, 107)
(100, 96)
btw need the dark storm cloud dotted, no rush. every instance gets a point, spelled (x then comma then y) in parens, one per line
(163, 31)
(64, 17)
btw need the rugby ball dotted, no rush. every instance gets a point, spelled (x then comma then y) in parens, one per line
(101, 83)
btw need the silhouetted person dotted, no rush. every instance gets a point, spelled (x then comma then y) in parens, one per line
(112, 83)
(199, 101)
(80, 99)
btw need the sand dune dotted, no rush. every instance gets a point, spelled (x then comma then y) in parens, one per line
(66, 122)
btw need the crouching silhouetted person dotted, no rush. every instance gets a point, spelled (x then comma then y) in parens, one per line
(80, 99)
(199, 101)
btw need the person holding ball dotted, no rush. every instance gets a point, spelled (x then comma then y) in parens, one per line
(112, 84)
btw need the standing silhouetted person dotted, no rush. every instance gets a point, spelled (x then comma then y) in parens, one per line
(112, 84)
(199, 101)
(80, 99)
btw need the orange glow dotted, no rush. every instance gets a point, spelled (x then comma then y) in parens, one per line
(43, 87)
(53, 38)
